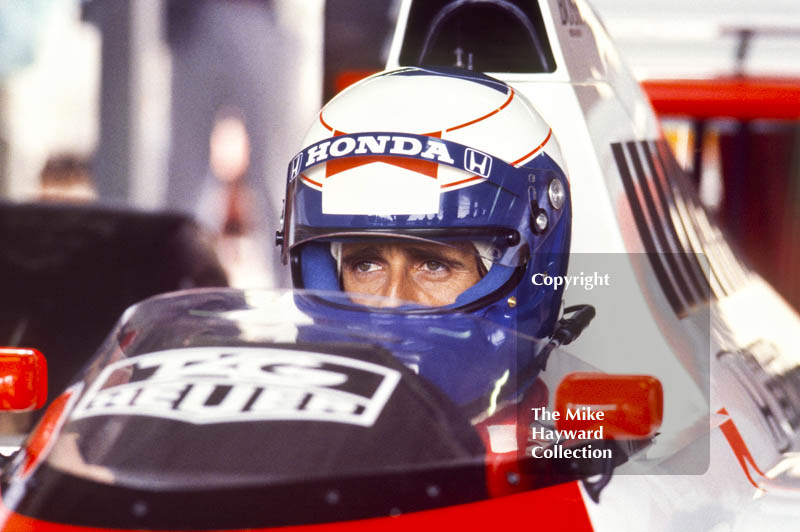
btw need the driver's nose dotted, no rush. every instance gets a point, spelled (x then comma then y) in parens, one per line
(398, 287)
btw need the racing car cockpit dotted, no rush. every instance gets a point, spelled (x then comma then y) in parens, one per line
(253, 409)
(478, 35)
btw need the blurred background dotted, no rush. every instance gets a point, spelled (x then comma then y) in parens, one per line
(180, 105)
(192, 108)
(195, 106)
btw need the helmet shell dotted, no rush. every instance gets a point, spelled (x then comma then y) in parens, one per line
(452, 104)
(364, 187)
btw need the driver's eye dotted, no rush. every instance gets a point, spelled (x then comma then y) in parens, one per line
(434, 266)
(366, 266)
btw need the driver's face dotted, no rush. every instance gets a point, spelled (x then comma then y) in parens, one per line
(418, 272)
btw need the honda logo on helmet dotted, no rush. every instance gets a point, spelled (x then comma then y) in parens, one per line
(294, 166)
(477, 162)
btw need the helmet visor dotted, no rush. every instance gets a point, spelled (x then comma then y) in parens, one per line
(408, 271)
(442, 192)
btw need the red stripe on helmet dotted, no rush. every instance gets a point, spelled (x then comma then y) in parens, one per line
(306, 178)
(487, 115)
(537, 148)
(473, 178)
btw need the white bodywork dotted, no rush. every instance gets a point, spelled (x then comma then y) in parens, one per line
(601, 118)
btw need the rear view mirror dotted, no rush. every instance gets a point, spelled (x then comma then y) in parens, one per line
(626, 406)
(23, 379)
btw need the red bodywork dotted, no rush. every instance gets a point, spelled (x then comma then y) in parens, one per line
(734, 97)
(564, 506)
(24, 383)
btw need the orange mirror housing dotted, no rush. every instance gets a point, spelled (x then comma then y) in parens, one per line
(23, 379)
(625, 406)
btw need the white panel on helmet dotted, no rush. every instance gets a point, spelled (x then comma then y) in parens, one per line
(380, 189)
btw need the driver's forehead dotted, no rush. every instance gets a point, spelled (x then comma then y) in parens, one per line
(409, 249)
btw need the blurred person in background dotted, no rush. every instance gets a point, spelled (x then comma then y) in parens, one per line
(227, 204)
(66, 177)
(229, 56)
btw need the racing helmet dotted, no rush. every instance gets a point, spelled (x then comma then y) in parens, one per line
(440, 155)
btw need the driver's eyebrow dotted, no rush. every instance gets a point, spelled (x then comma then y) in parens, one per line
(361, 252)
(438, 253)
(442, 253)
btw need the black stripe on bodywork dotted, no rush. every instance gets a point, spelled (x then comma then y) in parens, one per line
(657, 226)
(644, 232)
(674, 223)
(702, 225)
(674, 175)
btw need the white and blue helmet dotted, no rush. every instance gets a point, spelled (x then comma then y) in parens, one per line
(439, 154)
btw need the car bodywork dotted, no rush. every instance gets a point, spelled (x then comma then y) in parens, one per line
(629, 196)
